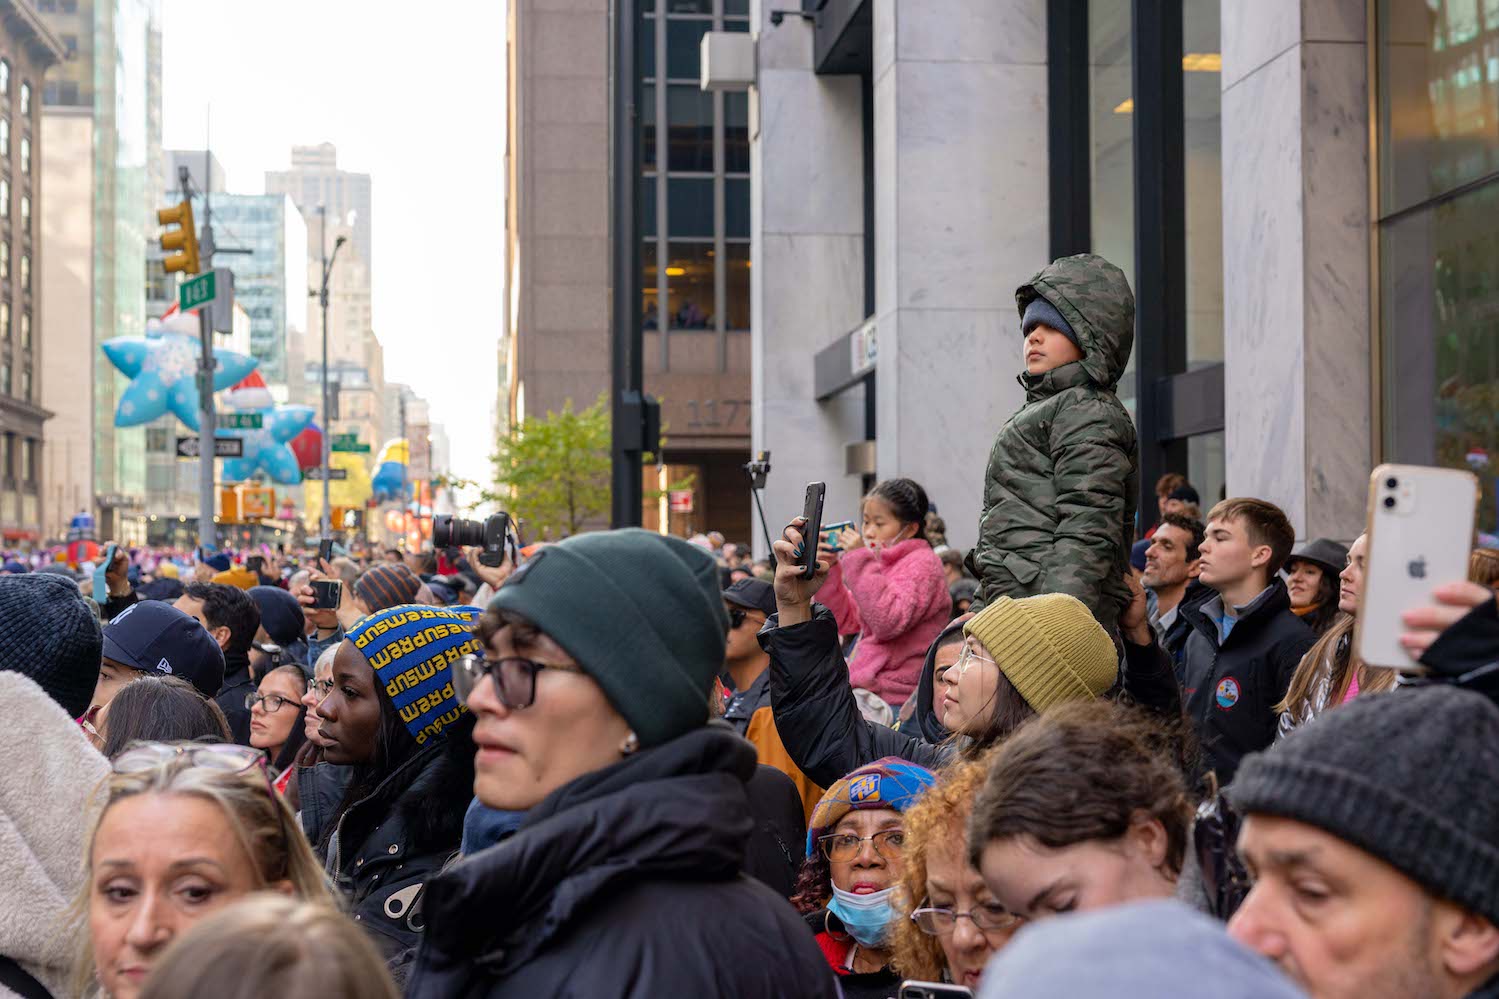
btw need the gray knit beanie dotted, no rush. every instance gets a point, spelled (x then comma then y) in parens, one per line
(1406, 776)
(641, 613)
(48, 633)
(1039, 312)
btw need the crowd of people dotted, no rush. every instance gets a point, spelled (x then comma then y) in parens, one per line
(1066, 762)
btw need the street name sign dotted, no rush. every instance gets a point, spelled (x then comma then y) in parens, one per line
(241, 421)
(223, 447)
(197, 291)
(334, 474)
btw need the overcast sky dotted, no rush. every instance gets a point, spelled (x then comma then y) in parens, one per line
(418, 104)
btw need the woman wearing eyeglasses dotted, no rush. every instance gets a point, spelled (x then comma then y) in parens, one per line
(185, 829)
(953, 923)
(625, 877)
(393, 717)
(855, 858)
(276, 719)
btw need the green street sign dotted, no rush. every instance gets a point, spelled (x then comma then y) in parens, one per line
(349, 446)
(241, 421)
(197, 291)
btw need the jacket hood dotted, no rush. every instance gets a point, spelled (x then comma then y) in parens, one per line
(677, 811)
(1094, 296)
(925, 718)
(47, 804)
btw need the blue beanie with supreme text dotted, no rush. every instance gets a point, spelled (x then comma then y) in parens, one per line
(412, 649)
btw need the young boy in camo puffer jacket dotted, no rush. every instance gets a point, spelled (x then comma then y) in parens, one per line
(1059, 496)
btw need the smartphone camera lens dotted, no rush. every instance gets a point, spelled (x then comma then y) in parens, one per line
(1391, 482)
(1389, 502)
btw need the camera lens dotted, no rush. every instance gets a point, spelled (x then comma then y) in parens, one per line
(454, 532)
(1389, 502)
(1391, 482)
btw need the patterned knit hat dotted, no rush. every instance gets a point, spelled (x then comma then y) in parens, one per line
(1049, 647)
(412, 650)
(387, 585)
(886, 783)
(48, 633)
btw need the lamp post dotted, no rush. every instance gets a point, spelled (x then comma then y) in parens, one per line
(327, 519)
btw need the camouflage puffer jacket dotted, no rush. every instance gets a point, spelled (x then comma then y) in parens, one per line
(1059, 496)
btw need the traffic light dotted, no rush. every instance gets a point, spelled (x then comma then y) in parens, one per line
(181, 243)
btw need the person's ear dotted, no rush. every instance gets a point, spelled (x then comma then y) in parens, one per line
(221, 635)
(1260, 557)
(1146, 836)
(283, 887)
(1469, 943)
(1194, 569)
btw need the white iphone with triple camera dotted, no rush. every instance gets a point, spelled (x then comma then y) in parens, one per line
(1420, 532)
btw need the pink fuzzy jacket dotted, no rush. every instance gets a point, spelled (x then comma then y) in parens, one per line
(898, 602)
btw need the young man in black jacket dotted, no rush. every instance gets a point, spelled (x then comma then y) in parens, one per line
(1245, 643)
(232, 618)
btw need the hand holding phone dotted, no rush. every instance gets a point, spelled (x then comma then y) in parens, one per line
(325, 550)
(327, 594)
(812, 518)
(832, 534)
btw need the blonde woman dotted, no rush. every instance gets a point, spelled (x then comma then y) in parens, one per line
(951, 922)
(271, 945)
(184, 830)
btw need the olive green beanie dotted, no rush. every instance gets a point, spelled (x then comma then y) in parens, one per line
(641, 613)
(1049, 647)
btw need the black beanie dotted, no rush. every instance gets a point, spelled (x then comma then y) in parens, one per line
(640, 612)
(1041, 312)
(48, 633)
(1406, 776)
(280, 614)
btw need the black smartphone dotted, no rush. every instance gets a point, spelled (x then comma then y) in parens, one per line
(255, 563)
(327, 594)
(910, 989)
(325, 549)
(812, 529)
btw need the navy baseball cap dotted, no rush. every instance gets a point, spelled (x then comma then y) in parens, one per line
(159, 639)
(756, 594)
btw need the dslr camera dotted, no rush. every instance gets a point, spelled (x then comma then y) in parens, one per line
(489, 535)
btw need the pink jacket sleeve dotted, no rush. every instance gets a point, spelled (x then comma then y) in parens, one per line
(893, 590)
(835, 597)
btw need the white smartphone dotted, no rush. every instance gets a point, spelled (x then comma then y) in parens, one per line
(1420, 531)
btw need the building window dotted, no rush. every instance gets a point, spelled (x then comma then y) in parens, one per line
(25, 330)
(26, 386)
(26, 213)
(25, 154)
(5, 389)
(5, 138)
(689, 274)
(4, 320)
(5, 77)
(1438, 194)
(70, 46)
(4, 261)
(26, 272)
(25, 98)
(4, 198)
(28, 450)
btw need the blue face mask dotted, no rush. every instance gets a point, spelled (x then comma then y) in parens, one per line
(866, 917)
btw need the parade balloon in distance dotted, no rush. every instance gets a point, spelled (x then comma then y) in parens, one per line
(162, 369)
(266, 448)
(389, 479)
(308, 447)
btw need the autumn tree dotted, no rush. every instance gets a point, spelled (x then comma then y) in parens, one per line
(553, 471)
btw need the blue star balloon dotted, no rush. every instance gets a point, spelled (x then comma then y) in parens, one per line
(163, 372)
(266, 449)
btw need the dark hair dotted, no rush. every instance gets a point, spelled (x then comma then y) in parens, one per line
(161, 709)
(906, 499)
(1264, 524)
(1193, 527)
(1326, 612)
(952, 557)
(814, 884)
(229, 607)
(1083, 771)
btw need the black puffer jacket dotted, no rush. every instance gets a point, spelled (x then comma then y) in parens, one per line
(387, 844)
(820, 723)
(624, 883)
(1232, 686)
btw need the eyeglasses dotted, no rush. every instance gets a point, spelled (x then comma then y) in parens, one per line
(271, 702)
(939, 922)
(967, 657)
(223, 757)
(737, 616)
(840, 848)
(514, 678)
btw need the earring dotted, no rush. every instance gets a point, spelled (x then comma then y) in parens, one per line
(630, 746)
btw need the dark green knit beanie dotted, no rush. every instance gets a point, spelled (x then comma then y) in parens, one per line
(641, 613)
